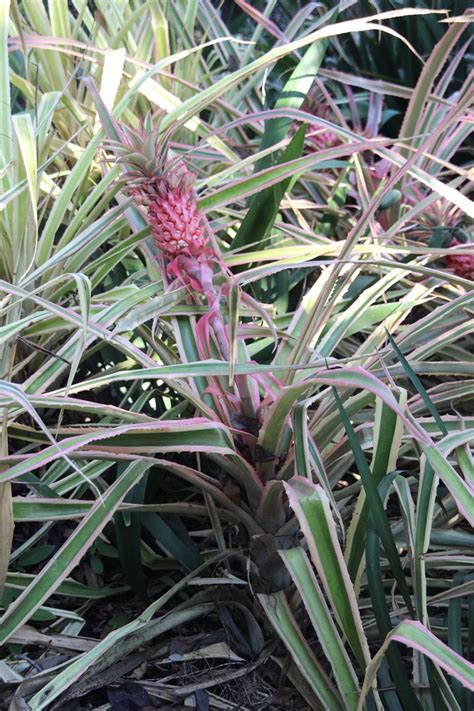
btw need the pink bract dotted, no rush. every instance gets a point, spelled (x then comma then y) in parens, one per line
(461, 264)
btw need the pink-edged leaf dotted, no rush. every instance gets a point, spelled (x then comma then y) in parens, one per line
(462, 493)
(253, 304)
(416, 636)
(302, 574)
(346, 377)
(312, 509)
(285, 625)
(65, 560)
(69, 315)
(270, 176)
(79, 405)
(194, 435)
(414, 114)
(271, 513)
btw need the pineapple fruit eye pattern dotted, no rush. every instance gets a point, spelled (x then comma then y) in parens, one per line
(164, 187)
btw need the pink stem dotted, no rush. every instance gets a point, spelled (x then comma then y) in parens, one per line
(202, 273)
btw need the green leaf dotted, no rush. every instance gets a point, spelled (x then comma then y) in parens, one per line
(388, 431)
(295, 89)
(376, 506)
(418, 637)
(263, 208)
(65, 560)
(311, 506)
(313, 599)
(35, 555)
(182, 548)
(279, 613)
(381, 611)
(128, 533)
(455, 638)
(417, 384)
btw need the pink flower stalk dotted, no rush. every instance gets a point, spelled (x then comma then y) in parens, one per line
(318, 137)
(178, 231)
(166, 191)
(461, 264)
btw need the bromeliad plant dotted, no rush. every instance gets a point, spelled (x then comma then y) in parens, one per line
(323, 479)
(276, 446)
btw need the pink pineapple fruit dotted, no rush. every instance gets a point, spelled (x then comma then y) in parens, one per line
(318, 137)
(166, 190)
(461, 264)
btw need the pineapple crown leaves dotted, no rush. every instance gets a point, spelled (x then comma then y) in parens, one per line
(144, 157)
(143, 151)
(165, 188)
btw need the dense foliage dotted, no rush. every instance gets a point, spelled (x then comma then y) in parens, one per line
(236, 355)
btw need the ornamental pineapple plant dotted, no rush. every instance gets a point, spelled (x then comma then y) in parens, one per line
(292, 428)
(165, 189)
